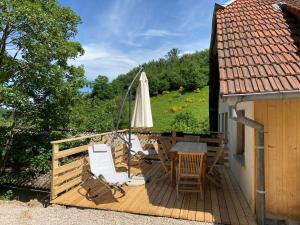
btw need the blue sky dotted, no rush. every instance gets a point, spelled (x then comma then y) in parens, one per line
(118, 35)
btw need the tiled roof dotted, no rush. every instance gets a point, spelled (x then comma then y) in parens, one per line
(258, 47)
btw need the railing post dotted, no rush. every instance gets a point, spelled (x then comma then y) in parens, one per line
(55, 164)
(173, 137)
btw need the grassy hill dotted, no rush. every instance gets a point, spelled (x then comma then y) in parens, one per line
(165, 107)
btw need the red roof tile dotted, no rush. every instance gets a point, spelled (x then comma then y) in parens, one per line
(258, 46)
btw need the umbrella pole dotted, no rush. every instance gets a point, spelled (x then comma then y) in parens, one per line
(129, 133)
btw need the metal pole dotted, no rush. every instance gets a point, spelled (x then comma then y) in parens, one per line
(260, 171)
(129, 133)
(125, 97)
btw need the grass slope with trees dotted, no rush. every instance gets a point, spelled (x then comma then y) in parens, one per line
(170, 107)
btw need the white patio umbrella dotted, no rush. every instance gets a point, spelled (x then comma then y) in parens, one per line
(142, 115)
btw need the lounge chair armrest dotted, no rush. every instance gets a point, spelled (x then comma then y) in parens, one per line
(150, 146)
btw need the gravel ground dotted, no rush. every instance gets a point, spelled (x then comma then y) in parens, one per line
(32, 213)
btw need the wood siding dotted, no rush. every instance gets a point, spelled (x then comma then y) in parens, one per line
(281, 119)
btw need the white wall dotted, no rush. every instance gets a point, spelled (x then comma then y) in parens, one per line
(244, 172)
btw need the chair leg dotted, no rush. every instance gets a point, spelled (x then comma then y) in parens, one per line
(177, 183)
(202, 191)
(172, 171)
(201, 187)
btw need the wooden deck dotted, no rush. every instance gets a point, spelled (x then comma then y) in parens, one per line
(225, 205)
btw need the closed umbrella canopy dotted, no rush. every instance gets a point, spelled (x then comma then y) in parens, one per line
(142, 115)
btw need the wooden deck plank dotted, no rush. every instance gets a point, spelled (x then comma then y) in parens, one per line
(185, 206)
(207, 205)
(231, 211)
(193, 207)
(223, 207)
(200, 208)
(215, 204)
(238, 208)
(140, 191)
(144, 197)
(177, 207)
(154, 197)
(159, 198)
(244, 204)
(162, 206)
(170, 205)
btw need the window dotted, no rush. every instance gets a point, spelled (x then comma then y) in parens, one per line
(241, 136)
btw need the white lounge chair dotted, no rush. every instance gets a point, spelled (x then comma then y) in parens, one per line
(137, 149)
(102, 169)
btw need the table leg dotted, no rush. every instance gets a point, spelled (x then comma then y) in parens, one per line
(172, 165)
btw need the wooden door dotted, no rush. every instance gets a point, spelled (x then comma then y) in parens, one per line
(281, 119)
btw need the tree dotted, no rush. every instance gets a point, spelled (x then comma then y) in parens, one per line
(36, 83)
(94, 114)
(102, 89)
(173, 54)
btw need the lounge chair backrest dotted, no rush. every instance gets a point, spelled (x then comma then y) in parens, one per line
(135, 143)
(101, 161)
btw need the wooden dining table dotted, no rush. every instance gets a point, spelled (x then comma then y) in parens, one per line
(185, 147)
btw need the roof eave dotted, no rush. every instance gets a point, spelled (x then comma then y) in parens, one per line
(263, 96)
(213, 38)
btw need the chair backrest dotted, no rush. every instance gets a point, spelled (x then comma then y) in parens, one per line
(135, 143)
(101, 161)
(164, 155)
(167, 144)
(219, 154)
(191, 163)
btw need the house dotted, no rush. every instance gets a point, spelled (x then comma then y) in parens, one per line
(255, 100)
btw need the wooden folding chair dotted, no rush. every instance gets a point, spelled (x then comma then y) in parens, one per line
(190, 173)
(212, 173)
(164, 156)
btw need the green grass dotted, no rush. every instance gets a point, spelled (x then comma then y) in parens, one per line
(195, 103)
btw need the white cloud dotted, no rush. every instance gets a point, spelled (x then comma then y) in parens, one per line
(158, 33)
(103, 60)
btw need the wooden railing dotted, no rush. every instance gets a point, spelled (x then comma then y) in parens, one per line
(69, 163)
(70, 158)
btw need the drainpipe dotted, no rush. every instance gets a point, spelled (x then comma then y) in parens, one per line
(236, 115)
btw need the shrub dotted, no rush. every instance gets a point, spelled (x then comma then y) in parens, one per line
(187, 123)
(165, 92)
(177, 95)
(41, 163)
(181, 90)
(176, 108)
(197, 90)
(8, 195)
(189, 100)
